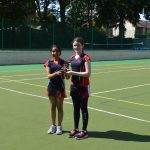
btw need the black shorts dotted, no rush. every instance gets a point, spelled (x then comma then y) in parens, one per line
(55, 90)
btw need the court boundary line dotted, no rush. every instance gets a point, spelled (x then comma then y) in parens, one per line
(1, 71)
(114, 71)
(95, 109)
(123, 67)
(119, 100)
(7, 80)
(100, 63)
(102, 72)
(105, 65)
(125, 88)
(21, 75)
(22, 82)
(92, 94)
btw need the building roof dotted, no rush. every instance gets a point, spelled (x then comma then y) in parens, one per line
(143, 24)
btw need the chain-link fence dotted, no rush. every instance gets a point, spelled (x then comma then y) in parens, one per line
(16, 35)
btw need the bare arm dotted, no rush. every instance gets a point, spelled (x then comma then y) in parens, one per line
(87, 72)
(52, 75)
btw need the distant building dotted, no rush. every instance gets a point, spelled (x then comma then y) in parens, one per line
(130, 30)
(142, 28)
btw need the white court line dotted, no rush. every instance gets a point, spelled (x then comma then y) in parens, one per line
(22, 75)
(119, 70)
(44, 73)
(92, 94)
(114, 90)
(120, 115)
(92, 73)
(9, 80)
(129, 87)
(116, 67)
(121, 64)
(1, 71)
(104, 65)
(23, 93)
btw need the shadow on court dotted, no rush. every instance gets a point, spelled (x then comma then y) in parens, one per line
(119, 135)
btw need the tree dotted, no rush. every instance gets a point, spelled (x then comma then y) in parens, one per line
(147, 10)
(80, 13)
(115, 13)
(43, 12)
(63, 4)
(49, 9)
(16, 9)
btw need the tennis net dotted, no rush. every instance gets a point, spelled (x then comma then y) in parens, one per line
(115, 46)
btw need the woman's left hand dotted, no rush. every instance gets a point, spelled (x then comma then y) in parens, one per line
(69, 72)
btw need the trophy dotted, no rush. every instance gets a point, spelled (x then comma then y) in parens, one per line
(64, 69)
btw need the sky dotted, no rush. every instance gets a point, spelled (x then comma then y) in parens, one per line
(142, 17)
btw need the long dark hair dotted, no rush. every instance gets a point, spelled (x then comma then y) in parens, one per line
(56, 46)
(78, 39)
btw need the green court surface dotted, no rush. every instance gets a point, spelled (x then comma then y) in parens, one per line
(119, 108)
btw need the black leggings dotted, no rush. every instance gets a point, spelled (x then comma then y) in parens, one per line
(79, 103)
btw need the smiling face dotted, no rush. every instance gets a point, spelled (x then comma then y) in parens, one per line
(77, 46)
(55, 52)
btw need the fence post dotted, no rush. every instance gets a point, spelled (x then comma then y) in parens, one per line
(74, 31)
(107, 36)
(92, 38)
(53, 28)
(2, 24)
(30, 36)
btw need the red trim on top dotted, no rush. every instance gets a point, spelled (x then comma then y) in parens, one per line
(46, 64)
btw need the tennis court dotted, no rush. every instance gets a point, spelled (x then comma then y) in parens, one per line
(119, 108)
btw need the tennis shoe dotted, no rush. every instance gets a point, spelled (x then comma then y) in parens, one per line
(73, 133)
(82, 135)
(52, 129)
(59, 130)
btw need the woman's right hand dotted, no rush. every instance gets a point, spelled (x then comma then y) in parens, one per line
(59, 73)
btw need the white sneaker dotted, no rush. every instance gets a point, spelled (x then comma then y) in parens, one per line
(59, 130)
(52, 129)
